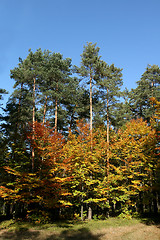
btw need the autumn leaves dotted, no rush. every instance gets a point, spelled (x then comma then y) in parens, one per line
(68, 174)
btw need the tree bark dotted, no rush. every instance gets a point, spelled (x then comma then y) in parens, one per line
(18, 115)
(89, 213)
(56, 109)
(89, 207)
(45, 108)
(20, 98)
(155, 202)
(33, 122)
(91, 109)
(56, 115)
(82, 211)
(107, 172)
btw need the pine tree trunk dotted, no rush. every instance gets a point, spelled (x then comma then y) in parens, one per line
(44, 112)
(20, 98)
(91, 109)
(107, 135)
(19, 106)
(18, 116)
(56, 115)
(56, 109)
(89, 207)
(107, 166)
(33, 122)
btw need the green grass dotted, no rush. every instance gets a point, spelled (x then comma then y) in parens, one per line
(64, 225)
(77, 230)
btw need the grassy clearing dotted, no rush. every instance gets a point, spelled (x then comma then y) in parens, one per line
(111, 229)
(58, 226)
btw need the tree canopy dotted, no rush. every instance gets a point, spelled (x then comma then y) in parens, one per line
(74, 144)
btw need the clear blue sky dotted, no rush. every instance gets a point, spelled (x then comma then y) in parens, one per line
(127, 32)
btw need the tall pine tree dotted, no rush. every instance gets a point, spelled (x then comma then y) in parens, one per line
(109, 85)
(89, 62)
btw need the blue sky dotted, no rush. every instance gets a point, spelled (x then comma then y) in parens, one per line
(127, 32)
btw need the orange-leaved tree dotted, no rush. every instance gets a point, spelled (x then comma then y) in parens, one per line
(45, 188)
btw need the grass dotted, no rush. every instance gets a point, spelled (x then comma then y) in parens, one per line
(91, 225)
(112, 228)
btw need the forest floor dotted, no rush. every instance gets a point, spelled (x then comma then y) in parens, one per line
(111, 229)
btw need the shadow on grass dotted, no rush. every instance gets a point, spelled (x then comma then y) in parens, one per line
(79, 234)
(20, 234)
(68, 224)
(69, 234)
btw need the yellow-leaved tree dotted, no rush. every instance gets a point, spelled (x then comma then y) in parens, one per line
(133, 154)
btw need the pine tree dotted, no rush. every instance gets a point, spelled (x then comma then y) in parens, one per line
(109, 84)
(59, 76)
(75, 102)
(57, 85)
(89, 62)
(148, 86)
(28, 75)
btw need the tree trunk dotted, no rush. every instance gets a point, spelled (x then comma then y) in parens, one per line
(89, 207)
(82, 205)
(155, 202)
(82, 211)
(33, 122)
(72, 120)
(56, 115)
(107, 165)
(44, 112)
(17, 123)
(56, 110)
(141, 207)
(107, 135)
(91, 109)
(19, 106)
(152, 84)
(89, 212)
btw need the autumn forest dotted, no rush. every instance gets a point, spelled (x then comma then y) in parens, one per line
(74, 145)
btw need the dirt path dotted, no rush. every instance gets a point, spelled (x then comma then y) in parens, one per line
(137, 232)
